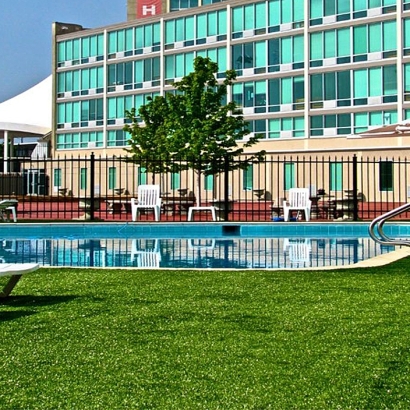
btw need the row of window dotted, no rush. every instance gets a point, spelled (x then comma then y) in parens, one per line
(247, 20)
(286, 127)
(386, 177)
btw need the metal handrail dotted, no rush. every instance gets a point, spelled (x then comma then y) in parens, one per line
(377, 224)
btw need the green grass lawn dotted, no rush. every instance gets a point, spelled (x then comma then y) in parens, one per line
(129, 339)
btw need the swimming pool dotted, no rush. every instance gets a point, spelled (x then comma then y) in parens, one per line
(193, 245)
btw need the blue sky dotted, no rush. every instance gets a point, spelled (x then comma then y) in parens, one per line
(25, 35)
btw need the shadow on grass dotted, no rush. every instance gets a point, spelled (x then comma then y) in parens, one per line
(35, 301)
(11, 315)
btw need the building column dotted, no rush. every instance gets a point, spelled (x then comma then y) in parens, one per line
(6, 152)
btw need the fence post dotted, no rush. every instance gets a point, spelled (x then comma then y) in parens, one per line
(92, 185)
(355, 201)
(226, 188)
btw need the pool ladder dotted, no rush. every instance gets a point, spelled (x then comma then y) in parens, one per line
(377, 225)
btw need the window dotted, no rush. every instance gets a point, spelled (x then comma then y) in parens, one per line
(289, 175)
(147, 36)
(329, 125)
(83, 178)
(142, 175)
(247, 178)
(175, 180)
(336, 176)
(210, 25)
(57, 181)
(250, 55)
(364, 120)
(112, 177)
(251, 17)
(386, 176)
(285, 12)
(209, 182)
(117, 138)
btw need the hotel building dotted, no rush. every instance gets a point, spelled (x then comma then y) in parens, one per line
(313, 76)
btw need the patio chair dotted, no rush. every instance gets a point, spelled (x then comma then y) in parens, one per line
(8, 206)
(298, 200)
(148, 197)
(146, 257)
(15, 271)
(299, 251)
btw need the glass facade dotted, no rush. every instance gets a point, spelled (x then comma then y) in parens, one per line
(325, 68)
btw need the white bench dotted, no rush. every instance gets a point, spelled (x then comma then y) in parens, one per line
(201, 208)
(16, 271)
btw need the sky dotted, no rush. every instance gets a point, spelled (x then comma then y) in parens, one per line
(25, 35)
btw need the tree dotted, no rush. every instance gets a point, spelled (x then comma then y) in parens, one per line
(195, 126)
(148, 140)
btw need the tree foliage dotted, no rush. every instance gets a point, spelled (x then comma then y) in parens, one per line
(195, 125)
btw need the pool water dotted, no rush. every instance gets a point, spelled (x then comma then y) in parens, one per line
(192, 245)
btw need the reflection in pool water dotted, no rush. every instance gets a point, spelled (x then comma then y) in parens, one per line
(221, 252)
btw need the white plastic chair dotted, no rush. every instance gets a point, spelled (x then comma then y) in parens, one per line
(8, 206)
(146, 257)
(148, 197)
(300, 251)
(298, 200)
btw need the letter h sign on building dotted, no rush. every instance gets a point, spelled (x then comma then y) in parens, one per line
(148, 8)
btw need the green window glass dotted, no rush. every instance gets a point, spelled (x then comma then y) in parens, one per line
(298, 10)
(316, 9)
(112, 177)
(386, 176)
(247, 178)
(360, 83)
(169, 32)
(316, 87)
(298, 49)
(175, 180)
(286, 91)
(390, 80)
(343, 42)
(406, 32)
(274, 128)
(237, 19)
(260, 15)
(316, 46)
(286, 50)
(289, 175)
(336, 176)
(57, 181)
(375, 79)
(260, 54)
(389, 36)
(360, 40)
(330, 43)
(330, 86)
(222, 29)
(274, 12)
(209, 182)
(142, 175)
(375, 37)
(190, 28)
(286, 11)
(249, 13)
(359, 5)
(83, 178)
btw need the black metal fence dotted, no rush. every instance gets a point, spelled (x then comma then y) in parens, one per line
(101, 188)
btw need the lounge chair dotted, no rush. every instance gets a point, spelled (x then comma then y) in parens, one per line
(8, 206)
(298, 200)
(15, 271)
(145, 257)
(148, 197)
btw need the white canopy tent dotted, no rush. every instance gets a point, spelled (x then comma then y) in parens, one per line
(28, 114)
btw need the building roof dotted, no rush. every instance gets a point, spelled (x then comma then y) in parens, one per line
(394, 130)
(28, 113)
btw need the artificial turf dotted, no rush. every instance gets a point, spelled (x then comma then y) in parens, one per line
(180, 339)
